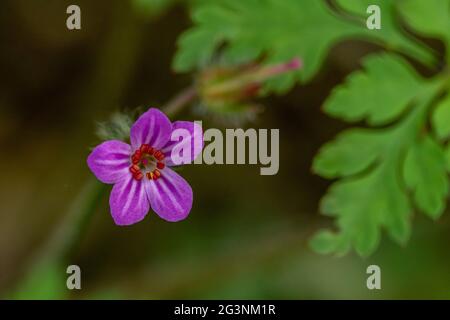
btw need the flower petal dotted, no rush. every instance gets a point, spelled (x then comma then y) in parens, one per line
(128, 202)
(170, 196)
(110, 160)
(153, 128)
(194, 140)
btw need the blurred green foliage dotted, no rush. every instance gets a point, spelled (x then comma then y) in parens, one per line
(153, 8)
(45, 281)
(428, 18)
(441, 119)
(371, 194)
(297, 29)
(369, 198)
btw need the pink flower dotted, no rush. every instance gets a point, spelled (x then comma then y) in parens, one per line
(141, 172)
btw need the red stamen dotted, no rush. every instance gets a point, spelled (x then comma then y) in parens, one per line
(160, 165)
(159, 155)
(156, 173)
(149, 175)
(144, 148)
(140, 158)
(134, 169)
(135, 159)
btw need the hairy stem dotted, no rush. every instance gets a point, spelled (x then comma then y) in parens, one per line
(71, 229)
(180, 101)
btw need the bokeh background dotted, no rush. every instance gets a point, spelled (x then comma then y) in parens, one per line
(247, 235)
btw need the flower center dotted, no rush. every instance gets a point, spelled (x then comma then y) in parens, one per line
(147, 161)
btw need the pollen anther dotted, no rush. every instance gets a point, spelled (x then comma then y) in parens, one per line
(159, 155)
(138, 175)
(144, 148)
(134, 169)
(135, 160)
(142, 160)
(160, 165)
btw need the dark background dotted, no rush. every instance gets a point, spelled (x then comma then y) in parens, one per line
(246, 236)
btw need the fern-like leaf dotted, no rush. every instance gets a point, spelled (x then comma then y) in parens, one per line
(278, 30)
(441, 119)
(429, 18)
(371, 195)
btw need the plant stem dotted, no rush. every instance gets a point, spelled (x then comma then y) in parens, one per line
(180, 101)
(63, 241)
(71, 229)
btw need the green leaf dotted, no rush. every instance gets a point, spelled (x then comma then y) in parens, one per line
(447, 157)
(366, 203)
(441, 119)
(379, 94)
(371, 195)
(391, 34)
(425, 173)
(429, 18)
(353, 151)
(279, 30)
(198, 44)
(324, 242)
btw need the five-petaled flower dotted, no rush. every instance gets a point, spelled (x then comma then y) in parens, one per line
(141, 172)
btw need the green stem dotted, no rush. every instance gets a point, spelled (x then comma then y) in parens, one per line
(60, 246)
(63, 242)
(256, 75)
(180, 101)
(71, 229)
